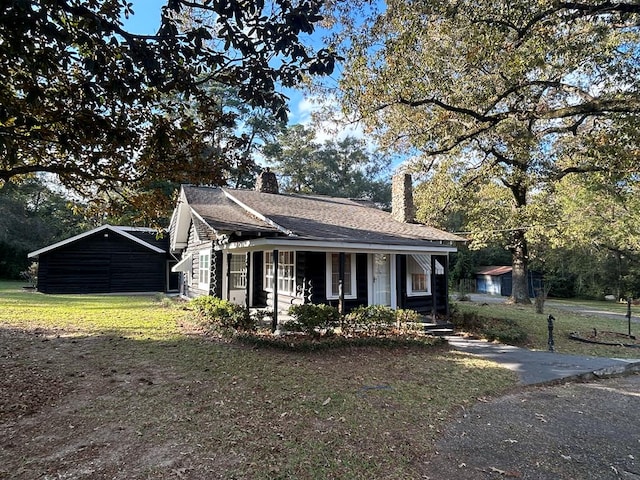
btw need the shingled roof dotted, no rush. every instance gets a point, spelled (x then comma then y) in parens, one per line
(305, 216)
(221, 213)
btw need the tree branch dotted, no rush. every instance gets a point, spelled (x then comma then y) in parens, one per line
(569, 170)
(7, 173)
(594, 107)
(493, 119)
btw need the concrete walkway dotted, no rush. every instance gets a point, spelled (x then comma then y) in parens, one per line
(538, 367)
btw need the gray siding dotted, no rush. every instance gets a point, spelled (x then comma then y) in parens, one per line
(195, 246)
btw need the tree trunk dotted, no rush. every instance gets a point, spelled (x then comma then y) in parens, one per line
(520, 258)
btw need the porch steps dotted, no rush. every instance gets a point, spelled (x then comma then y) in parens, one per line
(439, 329)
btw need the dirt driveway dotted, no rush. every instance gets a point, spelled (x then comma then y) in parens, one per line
(573, 431)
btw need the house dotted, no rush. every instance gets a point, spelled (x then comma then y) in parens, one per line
(497, 280)
(260, 248)
(107, 259)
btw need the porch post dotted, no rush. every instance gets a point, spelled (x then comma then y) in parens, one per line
(228, 276)
(341, 265)
(247, 287)
(274, 322)
(446, 283)
(434, 293)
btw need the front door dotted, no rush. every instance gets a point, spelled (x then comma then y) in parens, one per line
(381, 279)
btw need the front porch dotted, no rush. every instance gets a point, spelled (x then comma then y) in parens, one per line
(275, 279)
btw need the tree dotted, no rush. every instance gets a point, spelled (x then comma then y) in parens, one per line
(519, 94)
(32, 215)
(101, 107)
(227, 155)
(338, 167)
(600, 233)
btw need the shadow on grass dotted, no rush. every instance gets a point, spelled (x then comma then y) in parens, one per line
(126, 406)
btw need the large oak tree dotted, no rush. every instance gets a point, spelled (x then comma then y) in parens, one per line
(513, 95)
(102, 107)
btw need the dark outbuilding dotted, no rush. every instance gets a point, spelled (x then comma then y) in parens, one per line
(107, 259)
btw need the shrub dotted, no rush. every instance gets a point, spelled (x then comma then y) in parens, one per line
(31, 274)
(406, 316)
(372, 319)
(310, 318)
(505, 331)
(469, 321)
(217, 314)
(408, 320)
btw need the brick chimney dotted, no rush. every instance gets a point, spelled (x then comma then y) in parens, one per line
(402, 207)
(267, 182)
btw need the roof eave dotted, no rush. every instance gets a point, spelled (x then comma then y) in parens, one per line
(111, 228)
(339, 245)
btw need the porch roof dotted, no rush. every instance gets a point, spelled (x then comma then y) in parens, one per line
(299, 243)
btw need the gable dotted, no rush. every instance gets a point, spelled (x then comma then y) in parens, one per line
(104, 230)
(221, 213)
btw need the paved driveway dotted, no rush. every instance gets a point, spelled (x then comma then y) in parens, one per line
(573, 431)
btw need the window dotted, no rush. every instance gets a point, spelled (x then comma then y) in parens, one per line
(286, 272)
(238, 271)
(204, 269)
(418, 274)
(268, 270)
(333, 275)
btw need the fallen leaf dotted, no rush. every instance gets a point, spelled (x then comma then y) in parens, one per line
(326, 402)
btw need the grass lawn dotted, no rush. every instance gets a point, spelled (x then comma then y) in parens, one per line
(114, 387)
(566, 322)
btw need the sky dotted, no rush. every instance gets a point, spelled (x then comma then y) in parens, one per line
(146, 20)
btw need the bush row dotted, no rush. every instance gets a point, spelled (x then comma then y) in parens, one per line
(372, 320)
(219, 315)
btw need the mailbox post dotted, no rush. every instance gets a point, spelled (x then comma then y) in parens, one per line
(550, 320)
(628, 315)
